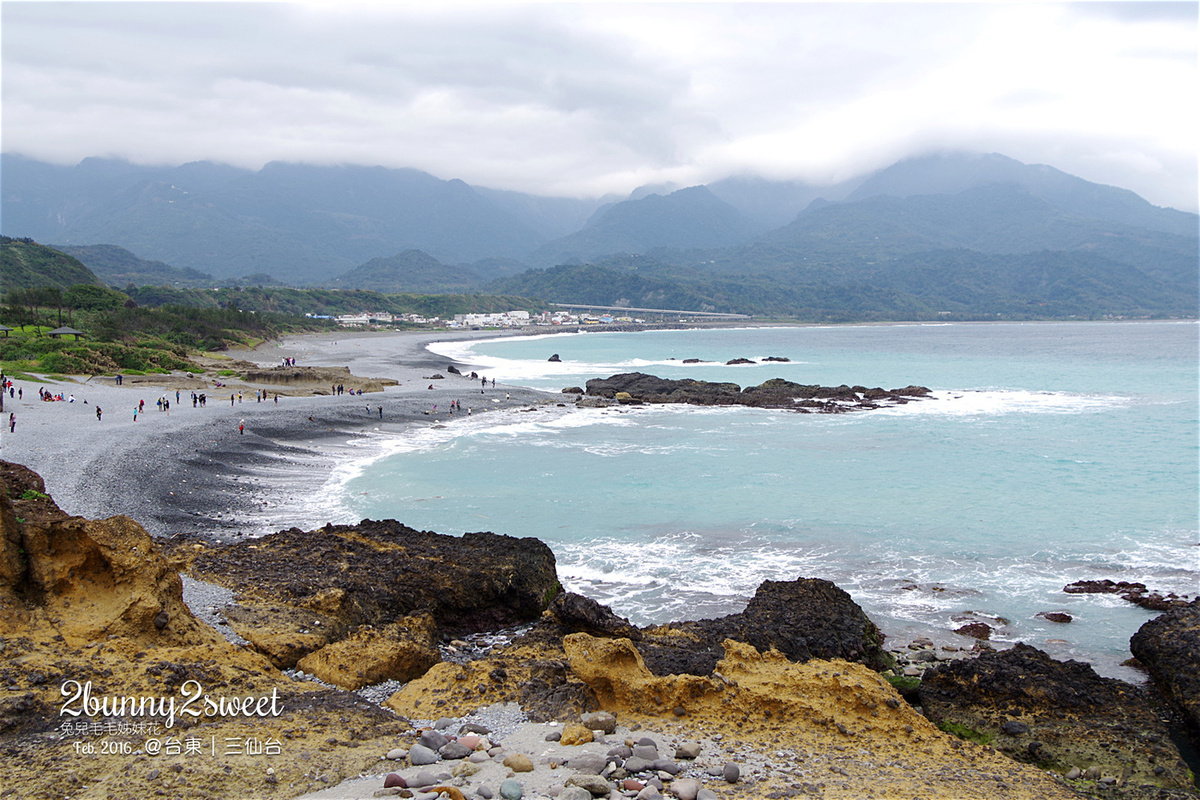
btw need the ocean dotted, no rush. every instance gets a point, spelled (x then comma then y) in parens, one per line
(1048, 453)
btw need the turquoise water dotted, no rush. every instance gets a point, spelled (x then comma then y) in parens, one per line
(1051, 452)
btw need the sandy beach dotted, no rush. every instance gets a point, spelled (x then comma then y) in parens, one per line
(189, 469)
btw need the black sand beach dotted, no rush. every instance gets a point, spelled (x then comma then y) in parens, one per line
(190, 470)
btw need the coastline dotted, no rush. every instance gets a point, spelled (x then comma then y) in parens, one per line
(190, 470)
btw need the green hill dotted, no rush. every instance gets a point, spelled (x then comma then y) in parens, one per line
(25, 264)
(119, 267)
(410, 271)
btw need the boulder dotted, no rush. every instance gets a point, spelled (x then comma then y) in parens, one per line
(554, 358)
(1066, 715)
(575, 734)
(377, 572)
(577, 613)
(803, 619)
(1168, 646)
(776, 393)
(401, 651)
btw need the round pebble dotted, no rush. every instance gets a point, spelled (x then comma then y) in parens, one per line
(731, 772)
(686, 788)
(394, 779)
(518, 762)
(511, 790)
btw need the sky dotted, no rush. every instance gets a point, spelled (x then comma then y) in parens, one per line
(593, 98)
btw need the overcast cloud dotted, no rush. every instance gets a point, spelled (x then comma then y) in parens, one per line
(591, 98)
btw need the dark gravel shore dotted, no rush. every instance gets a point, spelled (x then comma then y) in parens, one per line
(192, 470)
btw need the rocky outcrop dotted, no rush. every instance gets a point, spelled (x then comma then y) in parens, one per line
(775, 393)
(577, 613)
(398, 652)
(90, 580)
(1168, 646)
(314, 379)
(299, 591)
(803, 619)
(1135, 593)
(846, 731)
(1056, 714)
(95, 603)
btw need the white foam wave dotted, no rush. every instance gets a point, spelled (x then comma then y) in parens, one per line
(993, 402)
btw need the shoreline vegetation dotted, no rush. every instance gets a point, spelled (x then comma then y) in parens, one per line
(254, 457)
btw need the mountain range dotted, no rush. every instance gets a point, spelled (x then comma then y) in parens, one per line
(952, 232)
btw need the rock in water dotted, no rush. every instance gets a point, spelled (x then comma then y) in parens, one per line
(1169, 647)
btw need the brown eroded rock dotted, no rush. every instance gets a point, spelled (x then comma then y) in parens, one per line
(88, 579)
(1057, 714)
(401, 651)
(815, 709)
(311, 378)
(95, 604)
(574, 734)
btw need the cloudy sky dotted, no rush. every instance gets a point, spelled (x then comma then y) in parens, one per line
(583, 99)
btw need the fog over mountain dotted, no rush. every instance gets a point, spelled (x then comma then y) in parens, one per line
(404, 230)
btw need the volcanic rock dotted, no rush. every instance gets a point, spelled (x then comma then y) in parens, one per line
(1169, 647)
(577, 613)
(300, 590)
(775, 393)
(1074, 716)
(802, 619)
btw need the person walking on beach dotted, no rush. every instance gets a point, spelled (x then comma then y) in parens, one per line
(141, 405)
(12, 423)
(99, 411)
(135, 413)
(242, 428)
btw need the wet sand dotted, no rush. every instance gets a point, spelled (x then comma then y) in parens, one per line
(189, 469)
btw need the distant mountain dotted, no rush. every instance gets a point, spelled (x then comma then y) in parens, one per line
(954, 173)
(773, 204)
(693, 217)
(25, 264)
(310, 223)
(118, 267)
(967, 234)
(410, 271)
